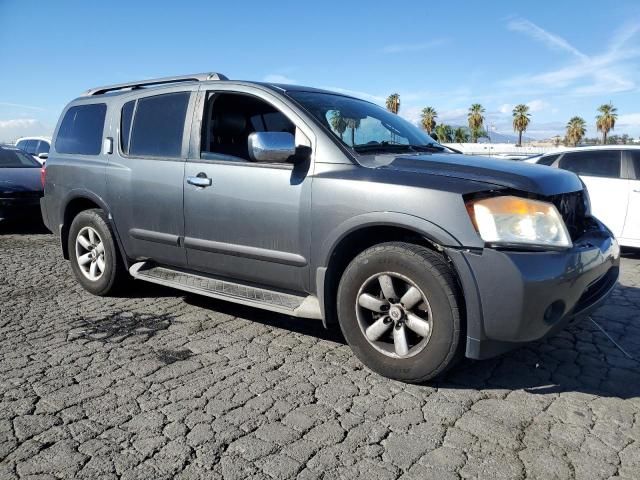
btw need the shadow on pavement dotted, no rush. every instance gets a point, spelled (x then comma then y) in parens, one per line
(304, 326)
(141, 289)
(29, 225)
(578, 359)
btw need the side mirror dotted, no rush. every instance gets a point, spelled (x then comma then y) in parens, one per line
(43, 156)
(271, 147)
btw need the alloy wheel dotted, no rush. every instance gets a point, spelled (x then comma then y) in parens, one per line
(394, 315)
(90, 253)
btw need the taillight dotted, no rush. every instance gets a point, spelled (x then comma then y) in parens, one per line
(43, 175)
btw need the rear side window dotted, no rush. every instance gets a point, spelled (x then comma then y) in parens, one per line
(593, 163)
(30, 146)
(635, 159)
(16, 159)
(158, 125)
(548, 160)
(81, 130)
(43, 147)
(125, 125)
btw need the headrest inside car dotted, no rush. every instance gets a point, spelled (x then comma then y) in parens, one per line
(229, 124)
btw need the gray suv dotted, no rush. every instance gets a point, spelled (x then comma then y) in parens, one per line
(320, 205)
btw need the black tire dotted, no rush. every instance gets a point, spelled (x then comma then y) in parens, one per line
(115, 274)
(432, 275)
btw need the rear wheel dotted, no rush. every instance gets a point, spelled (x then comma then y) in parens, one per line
(95, 259)
(398, 310)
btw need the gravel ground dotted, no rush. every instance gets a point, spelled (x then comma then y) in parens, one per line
(159, 384)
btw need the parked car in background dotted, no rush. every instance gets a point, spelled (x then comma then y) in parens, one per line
(254, 193)
(20, 184)
(38, 147)
(612, 176)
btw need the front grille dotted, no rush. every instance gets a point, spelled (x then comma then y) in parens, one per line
(572, 209)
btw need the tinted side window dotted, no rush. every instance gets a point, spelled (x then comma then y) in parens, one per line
(635, 159)
(125, 125)
(43, 147)
(30, 146)
(22, 145)
(595, 163)
(158, 125)
(16, 159)
(548, 160)
(81, 130)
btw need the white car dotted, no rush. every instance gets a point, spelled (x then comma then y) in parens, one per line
(38, 147)
(612, 176)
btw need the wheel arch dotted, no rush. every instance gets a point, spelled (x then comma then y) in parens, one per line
(80, 201)
(363, 232)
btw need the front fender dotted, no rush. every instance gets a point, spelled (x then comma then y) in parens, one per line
(416, 224)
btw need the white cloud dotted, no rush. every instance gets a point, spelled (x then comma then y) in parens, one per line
(551, 40)
(20, 127)
(412, 47)
(628, 120)
(537, 105)
(277, 78)
(505, 108)
(604, 73)
(455, 115)
(18, 105)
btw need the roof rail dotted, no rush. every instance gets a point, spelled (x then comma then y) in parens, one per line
(197, 77)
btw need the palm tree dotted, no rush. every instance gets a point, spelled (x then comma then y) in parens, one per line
(521, 118)
(576, 128)
(393, 103)
(338, 123)
(353, 123)
(476, 120)
(429, 116)
(444, 133)
(460, 135)
(606, 121)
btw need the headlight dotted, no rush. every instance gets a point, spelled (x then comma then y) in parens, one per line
(512, 220)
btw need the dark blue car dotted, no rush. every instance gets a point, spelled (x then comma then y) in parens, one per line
(20, 184)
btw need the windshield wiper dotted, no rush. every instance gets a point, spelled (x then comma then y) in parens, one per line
(395, 147)
(428, 147)
(381, 147)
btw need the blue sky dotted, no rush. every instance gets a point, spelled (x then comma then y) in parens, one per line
(562, 58)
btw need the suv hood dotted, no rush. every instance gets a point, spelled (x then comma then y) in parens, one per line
(526, 177)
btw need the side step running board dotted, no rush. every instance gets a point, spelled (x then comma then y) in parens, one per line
(287, 303)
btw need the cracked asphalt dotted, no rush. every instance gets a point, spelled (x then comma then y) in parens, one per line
(159, 384)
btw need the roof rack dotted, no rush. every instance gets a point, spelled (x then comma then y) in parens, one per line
(198, 77)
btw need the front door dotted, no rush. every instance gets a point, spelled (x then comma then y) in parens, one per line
(246, 220)
(145, 174)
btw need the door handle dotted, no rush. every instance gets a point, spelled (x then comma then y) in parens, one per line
(200, 180)
(637, 190)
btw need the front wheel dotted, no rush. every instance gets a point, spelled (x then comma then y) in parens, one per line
(94, 255)
(398, 310)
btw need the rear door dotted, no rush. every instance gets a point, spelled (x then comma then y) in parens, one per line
(631, 232)
(145, 173)
(601, 171)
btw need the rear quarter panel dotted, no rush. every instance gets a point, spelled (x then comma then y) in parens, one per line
(72, 176)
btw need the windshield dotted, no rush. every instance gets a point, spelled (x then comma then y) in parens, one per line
(365, 128)
(16, 159)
